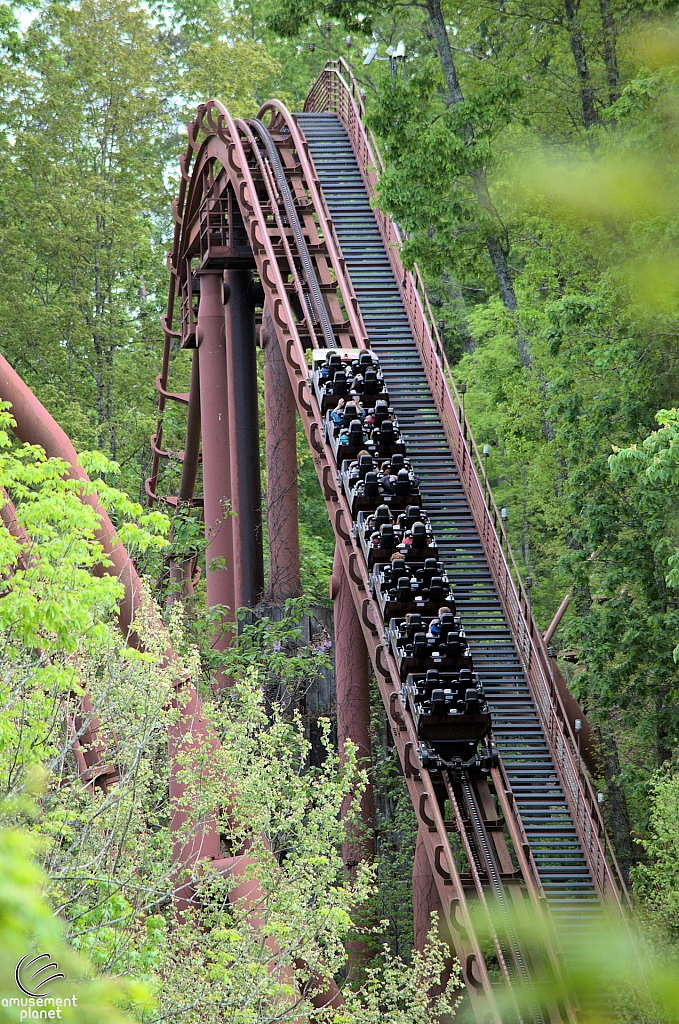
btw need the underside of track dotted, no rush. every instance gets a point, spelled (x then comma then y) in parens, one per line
(289, 198)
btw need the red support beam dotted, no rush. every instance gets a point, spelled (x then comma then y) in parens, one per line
(246, 491)
(352, 681)
(425, 894)
(214, 406)
(281, 470)
(194, 840)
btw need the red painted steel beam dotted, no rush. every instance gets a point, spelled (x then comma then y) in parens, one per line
(281, 470)
(217, 493)
(243, 414)
(352, 684)
(425, 895)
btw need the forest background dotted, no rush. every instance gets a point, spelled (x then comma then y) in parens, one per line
(531, 153)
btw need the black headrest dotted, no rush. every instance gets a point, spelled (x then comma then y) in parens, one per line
(446, 617)
(418, 529)
(438, 701)
(386, 529)
(414, 620)
(432, 677)
(398, 566)
(333, 357)
(370, 373)
(430, 564)
(403, 475)
(387, 428)
(351, 410)
(365, 359)
(356, 428)
(397, 461)
(382, 514)
(381, 411)
(365, 460)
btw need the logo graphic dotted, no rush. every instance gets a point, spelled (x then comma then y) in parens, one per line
(36, 989)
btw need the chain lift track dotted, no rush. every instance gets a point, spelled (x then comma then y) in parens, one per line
(289, 198)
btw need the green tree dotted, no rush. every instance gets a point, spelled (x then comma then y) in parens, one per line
(83, 211)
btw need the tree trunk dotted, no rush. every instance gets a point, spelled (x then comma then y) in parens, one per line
(610, 54)
(498, 257)
(497, 252)
(618, 813)
(445, 51)
(580, 58)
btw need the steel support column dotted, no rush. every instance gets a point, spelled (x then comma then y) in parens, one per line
(181, 568)
(353, 703)
(194, 839)
(426, 901)
(352, 683)
(246, 492)
(281, 470)
(214, 407)
(425, 894)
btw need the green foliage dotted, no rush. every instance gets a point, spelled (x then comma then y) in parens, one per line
(107, 854)
(656, 881)
(27, 924)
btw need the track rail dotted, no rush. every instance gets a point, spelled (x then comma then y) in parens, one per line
(300, 251)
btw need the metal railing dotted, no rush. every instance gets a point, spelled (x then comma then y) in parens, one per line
(336, 91)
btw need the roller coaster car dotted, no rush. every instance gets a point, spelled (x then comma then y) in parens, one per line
(400, 587)
(382, 537)
(451, 718)
(350, 428)
(368, 491)
(419, 542)
(378, 535)
(368, 386)
(329, 373)
(337, 374)
(421, 642)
